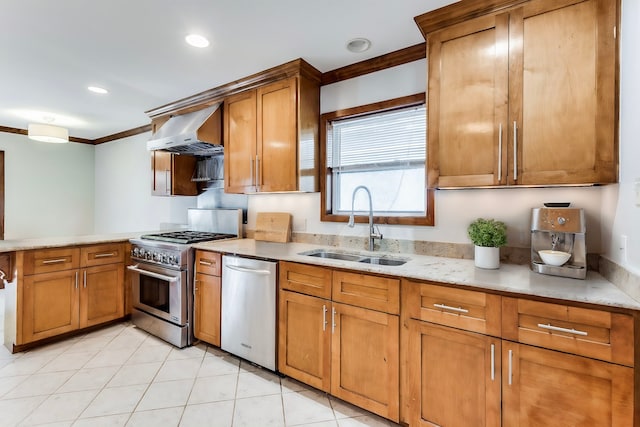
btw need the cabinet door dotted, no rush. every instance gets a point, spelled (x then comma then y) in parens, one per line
(467, 102)
(563, 81)
(364, 359)
(304, 339)
(207, 309)
(548, 388)
(102, 294)
(454, 377)
(49, 305)
(277, 136)
(161, 173)
(240, 143)
(172, 174)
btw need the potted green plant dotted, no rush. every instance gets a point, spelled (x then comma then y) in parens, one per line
(488, 235)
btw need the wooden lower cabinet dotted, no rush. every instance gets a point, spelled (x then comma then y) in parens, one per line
(207, 296)
(102, 294)
(364, 359)
(304, 347)
(207, 308)
(69, 288)
(351, 352)
(461, 378)
(549, 388)
(454, 377)
(50, 305)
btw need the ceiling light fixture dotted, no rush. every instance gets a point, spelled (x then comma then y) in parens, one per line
(97, 89)
(358, 45)
(196, 40)
(48, 133)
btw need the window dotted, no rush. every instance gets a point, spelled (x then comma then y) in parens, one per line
(383, 147)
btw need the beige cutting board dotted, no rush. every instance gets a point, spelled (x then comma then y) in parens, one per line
(273, 227)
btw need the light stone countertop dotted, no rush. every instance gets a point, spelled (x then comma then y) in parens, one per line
(54, 242)
(517, 279)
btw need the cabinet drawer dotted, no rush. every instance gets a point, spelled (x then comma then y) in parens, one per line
(587, 332)
(306, 279)
(49, 260)
(208, 263)
(459, 308)
(363, 290)
(110, 253)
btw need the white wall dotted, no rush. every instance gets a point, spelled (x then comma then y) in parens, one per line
(48, 188)
(624, 220)
(123, 199)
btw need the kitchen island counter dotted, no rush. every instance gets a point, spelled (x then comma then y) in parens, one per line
(509, 278)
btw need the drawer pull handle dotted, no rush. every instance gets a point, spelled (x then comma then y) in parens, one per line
(54, 261)
(448, 307)
(205, 263)
(559, 329)
(105, 255)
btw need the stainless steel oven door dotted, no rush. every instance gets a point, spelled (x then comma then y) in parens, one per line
(160, 291)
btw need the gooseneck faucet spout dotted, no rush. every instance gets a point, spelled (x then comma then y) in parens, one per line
(372, 232)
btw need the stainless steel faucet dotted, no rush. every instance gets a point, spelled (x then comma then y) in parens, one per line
(372, 232)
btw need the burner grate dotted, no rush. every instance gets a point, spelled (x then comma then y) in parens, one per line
(188, 236)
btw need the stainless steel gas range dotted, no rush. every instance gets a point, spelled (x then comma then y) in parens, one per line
(162, 273)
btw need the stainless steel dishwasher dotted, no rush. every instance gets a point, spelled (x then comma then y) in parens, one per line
(248, 324)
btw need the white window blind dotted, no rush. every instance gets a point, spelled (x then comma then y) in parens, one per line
(385, 151)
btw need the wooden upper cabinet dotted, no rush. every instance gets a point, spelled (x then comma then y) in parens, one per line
(563, 55)
(271, 137)
(171, 174)
(261, 139)
(524, 96)
(467, 101)
(240, 127)
(277, 137)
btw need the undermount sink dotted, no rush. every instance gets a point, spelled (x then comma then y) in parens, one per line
(384, 261)
(346, 256)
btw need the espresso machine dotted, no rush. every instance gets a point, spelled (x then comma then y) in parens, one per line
(558, 234)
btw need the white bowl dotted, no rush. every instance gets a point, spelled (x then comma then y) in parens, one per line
(554, 257)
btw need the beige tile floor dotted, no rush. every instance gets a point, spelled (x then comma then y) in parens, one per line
(122, 376)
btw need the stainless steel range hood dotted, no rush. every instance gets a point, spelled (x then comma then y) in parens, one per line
(197, 133)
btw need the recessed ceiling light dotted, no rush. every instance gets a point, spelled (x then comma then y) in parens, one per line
(97, 89)
(196, 40)
(358, 45)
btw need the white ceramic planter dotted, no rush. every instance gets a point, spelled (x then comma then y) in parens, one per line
(487, 257)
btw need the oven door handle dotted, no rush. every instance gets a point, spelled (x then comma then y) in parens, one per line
(152, 274)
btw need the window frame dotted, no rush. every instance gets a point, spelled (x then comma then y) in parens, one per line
(325, 176)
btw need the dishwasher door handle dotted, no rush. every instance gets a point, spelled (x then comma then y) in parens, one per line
(248, 270)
